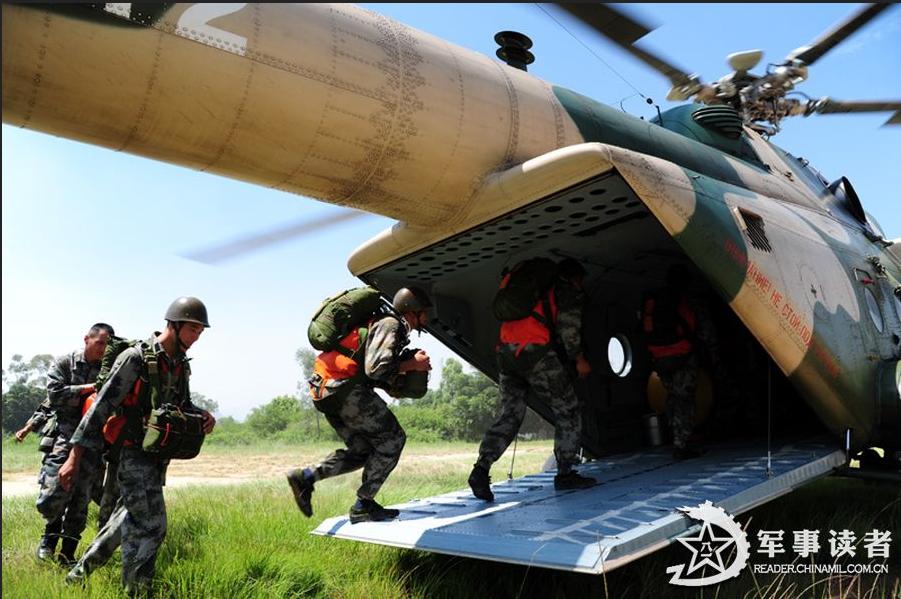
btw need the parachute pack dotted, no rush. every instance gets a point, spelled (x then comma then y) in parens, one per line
(523, 287)
(339, 314)
(114, 347)
(170, 431)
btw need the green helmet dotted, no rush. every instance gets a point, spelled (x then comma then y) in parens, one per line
(411, 299)
(187, 309)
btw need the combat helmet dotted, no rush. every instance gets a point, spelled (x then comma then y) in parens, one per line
(411, 299)
(188, 309)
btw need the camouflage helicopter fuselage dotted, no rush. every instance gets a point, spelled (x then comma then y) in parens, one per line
(352, 108)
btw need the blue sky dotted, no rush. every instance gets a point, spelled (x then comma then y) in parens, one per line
(90, 234)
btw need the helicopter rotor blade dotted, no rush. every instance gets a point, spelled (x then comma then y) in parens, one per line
(256, 241)
(829, 106)
(827, 41)
(624, 31)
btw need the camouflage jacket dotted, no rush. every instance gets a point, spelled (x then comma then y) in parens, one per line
(570, 306)
(69, 379)
(126, 370)
(387, 337)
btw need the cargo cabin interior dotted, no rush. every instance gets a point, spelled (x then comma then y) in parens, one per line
(626, 252)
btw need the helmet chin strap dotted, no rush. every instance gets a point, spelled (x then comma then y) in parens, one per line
(180, 347)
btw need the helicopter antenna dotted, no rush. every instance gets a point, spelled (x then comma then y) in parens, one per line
(592, 52)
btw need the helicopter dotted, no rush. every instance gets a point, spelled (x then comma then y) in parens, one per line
(394, 123)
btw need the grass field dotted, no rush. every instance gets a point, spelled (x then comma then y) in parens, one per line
(249, 540)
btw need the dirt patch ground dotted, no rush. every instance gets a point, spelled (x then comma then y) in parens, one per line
(225, 469)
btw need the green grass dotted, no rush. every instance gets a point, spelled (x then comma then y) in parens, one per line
(250, 541)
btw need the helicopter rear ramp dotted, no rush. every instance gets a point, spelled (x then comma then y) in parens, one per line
(631, 514)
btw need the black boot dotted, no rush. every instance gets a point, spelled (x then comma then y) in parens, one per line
(480, 483)
(367, 510)
(66, 556)
(573, 480)
(302, 487)
(47, 547)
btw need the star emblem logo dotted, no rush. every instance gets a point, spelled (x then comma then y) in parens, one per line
(706, 549)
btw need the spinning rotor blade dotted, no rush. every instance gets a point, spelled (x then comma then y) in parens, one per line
(624, 31)
(830, 39)
(217, 254)
(827, 106)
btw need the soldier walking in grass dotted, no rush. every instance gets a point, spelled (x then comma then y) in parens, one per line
(533, 353)
(342, 388)
(69, 382)
(143, 377)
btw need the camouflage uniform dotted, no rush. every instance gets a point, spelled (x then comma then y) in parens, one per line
(141, 476)
(104, 545)
(542, 371)
(69, 381)
(372, 434)
(679, 375)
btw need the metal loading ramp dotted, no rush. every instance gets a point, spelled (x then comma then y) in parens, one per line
(632, 513)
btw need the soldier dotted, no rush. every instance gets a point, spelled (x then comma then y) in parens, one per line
(674, 321)
(41, 420)
(530, 359)
(160, 367)
(65, 509)
(373, 436)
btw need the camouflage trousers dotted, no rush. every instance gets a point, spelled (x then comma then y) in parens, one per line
(104, 545)
(679, 375)
(66, 512)
(372, 434)
(109, 492)
(143, 526)
(550, 384)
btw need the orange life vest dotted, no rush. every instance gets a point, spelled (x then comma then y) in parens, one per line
(681, 346)
(334, 366)
(530, 329)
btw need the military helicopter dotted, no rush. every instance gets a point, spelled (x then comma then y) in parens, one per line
(483, 164)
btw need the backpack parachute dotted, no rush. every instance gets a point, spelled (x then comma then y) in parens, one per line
(114, 347)
(339, 314)
(523, 287)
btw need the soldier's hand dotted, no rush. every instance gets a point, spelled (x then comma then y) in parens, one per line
(420, 362)
(68, 472)
(22, 433)
(423, 361)
(208, 422)
(583, 368)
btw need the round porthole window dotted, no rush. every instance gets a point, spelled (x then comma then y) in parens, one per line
(619, 355)
(873, 305)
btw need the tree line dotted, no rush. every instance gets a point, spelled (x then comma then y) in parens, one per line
(463, 406)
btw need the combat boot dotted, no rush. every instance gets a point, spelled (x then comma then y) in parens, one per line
(301, 483)
(47, 547)
(77, 575)
(573, 480)
(480, 483)
(688, 452)
(367, 510)
(66, 556)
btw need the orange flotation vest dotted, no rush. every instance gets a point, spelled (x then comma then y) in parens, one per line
(535, 328)
(336, 366)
